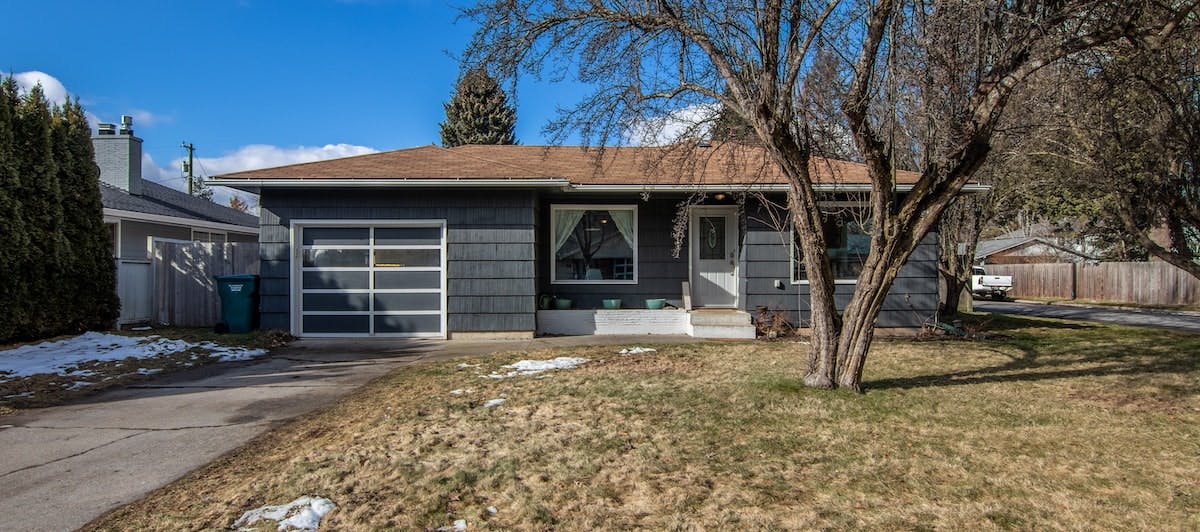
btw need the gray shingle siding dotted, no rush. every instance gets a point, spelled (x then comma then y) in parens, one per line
(766, 259)
(490, 279)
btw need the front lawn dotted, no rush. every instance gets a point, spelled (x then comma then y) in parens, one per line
(1057, 425)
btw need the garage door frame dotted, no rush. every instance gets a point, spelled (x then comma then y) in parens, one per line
(296, 228)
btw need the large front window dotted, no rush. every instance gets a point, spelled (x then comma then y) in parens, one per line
(593, 243)
(847, 235)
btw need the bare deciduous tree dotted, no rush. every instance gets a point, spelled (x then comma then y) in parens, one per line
(648, 59)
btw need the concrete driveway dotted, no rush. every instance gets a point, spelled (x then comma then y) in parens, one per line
(61, 467)
(1179, 321)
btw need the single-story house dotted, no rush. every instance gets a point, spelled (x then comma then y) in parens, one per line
(487, 241)
(1035, 244)
(138, 211)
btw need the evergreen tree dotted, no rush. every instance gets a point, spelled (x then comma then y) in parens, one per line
(91, 278)
(12, 224)
(42, 212)
(478, 113)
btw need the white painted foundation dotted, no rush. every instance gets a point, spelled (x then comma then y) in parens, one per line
(622, 321)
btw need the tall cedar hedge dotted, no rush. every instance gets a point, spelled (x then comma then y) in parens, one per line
(57, 274)
(478, 113)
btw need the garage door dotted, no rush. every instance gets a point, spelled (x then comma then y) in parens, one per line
(377, 280)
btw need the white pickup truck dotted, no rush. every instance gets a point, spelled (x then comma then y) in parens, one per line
(984, 285)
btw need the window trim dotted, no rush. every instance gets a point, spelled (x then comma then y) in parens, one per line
(792, 245)
(555, 207)
(210, 233)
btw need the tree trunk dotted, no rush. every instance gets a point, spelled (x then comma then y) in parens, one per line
(954, 290)
(825, 323)
(858, 330)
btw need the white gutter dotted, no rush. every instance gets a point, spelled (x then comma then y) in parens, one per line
(403, 182)
(765, 187)
(554, 182)
(176, 220)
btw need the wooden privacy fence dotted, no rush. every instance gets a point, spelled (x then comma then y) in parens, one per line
(184, 284)
(1144, 283)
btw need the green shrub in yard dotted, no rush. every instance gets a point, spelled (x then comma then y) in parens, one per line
(57, 275)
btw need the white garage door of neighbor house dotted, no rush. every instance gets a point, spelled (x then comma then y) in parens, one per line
(371, 280)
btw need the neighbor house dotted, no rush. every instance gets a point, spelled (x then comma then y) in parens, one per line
(1031, 245)
(138, 211)
(486, 241)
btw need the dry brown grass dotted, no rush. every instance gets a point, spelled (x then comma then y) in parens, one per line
(1058, 426)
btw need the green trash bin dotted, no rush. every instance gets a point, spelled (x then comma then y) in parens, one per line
(239, 302)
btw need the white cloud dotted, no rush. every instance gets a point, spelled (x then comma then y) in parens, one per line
(57, 94)
(256, 156)
(142, 117)
(692, 121)
(249, 157)
(54, 90)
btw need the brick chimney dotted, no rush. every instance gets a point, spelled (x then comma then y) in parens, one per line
(119, 156)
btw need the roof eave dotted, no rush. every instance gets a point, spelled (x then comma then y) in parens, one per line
(391, 182)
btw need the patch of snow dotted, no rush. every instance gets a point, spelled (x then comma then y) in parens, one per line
(63, 356)
(142, 328)
(533, 367)
(492, 510)
(19, 395)
(149, 371)
(493, 403)
(460, 391)
(304, 513)
(466, 366)
(79, 384)
(637, 351)
(458, 526)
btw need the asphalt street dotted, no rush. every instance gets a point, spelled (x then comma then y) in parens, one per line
(1179, 321)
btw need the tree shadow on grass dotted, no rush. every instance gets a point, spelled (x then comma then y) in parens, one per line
(1053, 356)
(998, 323)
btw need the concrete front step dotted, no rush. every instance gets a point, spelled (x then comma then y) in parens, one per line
(721, 324)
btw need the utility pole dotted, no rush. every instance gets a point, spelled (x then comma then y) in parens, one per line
(187, 167)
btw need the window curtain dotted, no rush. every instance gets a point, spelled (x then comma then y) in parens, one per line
(565, 221)
(623, 219)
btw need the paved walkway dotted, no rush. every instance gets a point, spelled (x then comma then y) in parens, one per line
(63, 466)
(1179, 321)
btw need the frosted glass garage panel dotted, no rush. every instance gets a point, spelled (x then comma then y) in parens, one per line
(420, 324)
(337, 280)
(394, 302)
(335, 258)
(408, 280)
(408, 236)
(337, 236)
(326, 324)
(408, 258)
(337, 302)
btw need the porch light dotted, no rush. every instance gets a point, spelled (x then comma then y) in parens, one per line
(720, 196)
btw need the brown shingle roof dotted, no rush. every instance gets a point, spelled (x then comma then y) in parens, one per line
(726, 164)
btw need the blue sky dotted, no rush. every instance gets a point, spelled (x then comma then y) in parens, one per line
(258, 83)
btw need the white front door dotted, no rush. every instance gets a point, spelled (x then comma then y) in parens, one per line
(714, 254)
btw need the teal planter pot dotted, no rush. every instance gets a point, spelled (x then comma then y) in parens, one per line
(562, 303)
(655, 304)
(612, 304)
